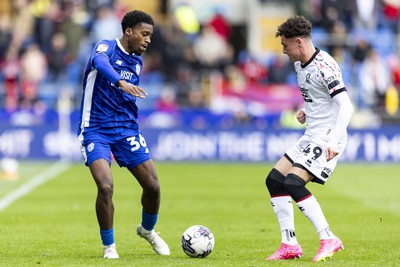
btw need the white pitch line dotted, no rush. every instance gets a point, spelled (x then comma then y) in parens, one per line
(48, 174)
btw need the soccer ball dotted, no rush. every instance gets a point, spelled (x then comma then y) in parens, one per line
(197, 241)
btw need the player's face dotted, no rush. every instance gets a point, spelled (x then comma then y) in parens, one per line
(139, 38)
(291, 47)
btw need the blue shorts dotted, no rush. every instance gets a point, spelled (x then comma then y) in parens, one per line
(127, 146)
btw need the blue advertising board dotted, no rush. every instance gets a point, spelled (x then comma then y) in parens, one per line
(47, 142)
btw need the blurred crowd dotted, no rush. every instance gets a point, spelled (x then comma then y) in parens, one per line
(44, 46)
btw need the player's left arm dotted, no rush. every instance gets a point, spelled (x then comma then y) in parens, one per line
(345, 112)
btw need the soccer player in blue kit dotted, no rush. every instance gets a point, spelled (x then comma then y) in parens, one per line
(109, 124)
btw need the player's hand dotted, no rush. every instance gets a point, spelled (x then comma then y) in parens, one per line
(331, 152)
(301, 116)
(131, 89)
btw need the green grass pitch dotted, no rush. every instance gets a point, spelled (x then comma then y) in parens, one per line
(55, 224)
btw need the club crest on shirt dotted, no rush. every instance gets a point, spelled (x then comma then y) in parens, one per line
(102, 48)
(137, 69)
(308, 78)
(90, 147)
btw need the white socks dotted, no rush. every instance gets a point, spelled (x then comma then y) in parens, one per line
(312, 210)
(310, 207)
(283, 209)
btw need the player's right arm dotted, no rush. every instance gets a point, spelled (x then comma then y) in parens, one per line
(102, 64)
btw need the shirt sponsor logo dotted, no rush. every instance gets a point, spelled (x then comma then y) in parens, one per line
(305, 94)
(126, 75)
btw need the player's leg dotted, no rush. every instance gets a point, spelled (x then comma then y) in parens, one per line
(102, 175)
(146, 174)
(295, 183)
(132, 153)
(281, 202)
(96, 152)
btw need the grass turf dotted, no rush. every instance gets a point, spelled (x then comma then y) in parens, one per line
(55, 225)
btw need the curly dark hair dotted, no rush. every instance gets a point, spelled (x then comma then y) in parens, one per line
(135, 17)
(294, 27)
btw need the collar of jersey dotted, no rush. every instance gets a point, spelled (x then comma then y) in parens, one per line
(122, 48)
(312, 58)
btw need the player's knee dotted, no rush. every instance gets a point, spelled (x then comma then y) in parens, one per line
(106, 190)
(274, 183)
(296, 187)
(152, 186)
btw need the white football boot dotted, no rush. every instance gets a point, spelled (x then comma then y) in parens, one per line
(110, 252)
(154, 239)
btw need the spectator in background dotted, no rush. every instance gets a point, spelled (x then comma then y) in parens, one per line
(394, 64)
(154, 55)
(196, 99)
(75, 24)
(338, 36)
(34, 70)
(365, 15)
(391, 15)
(46, 16)
(6, 35)
(196, 112)
(360, 51)
(185, 79)
(375, 79)
(254, 71)
(173, 49)
(167, 101)
(310, 9)
(332, 11)
(58, 57)
(221, 25)
(211, 50)
(10, 68)
(280, 70)
(23, 22)
(106, 25)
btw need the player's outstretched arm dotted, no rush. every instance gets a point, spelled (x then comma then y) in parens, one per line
(103, 66)
(131, 89)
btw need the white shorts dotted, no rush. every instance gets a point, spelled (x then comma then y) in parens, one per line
(309, 152)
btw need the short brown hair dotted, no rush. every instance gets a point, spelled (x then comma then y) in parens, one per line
(294, 27)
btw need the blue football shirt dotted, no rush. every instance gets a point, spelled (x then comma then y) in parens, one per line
(103, 104)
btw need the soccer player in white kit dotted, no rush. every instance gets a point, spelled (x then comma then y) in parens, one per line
(327, 111)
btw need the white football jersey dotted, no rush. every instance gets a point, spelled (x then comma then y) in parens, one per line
(319, 80)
